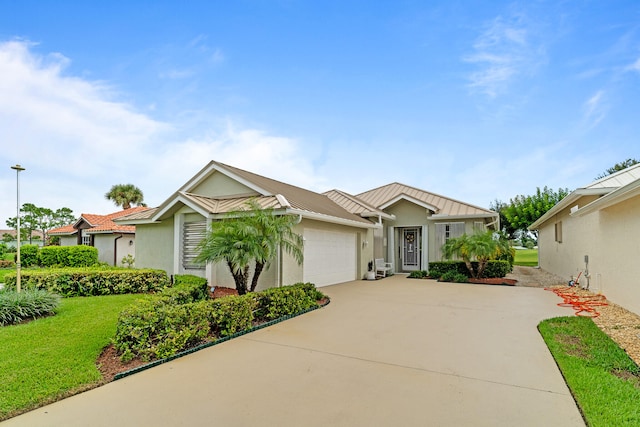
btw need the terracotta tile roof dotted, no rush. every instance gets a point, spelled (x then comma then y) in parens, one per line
(102, 223)
(441, 205)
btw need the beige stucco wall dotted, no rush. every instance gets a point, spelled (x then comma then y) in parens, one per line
(68, 240)
(218, 184)
(611, 239)
(105, 245)
(154, 245)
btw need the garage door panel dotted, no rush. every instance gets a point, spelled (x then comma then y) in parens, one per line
(329, 257)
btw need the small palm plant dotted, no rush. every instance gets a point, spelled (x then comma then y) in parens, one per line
(480, 246)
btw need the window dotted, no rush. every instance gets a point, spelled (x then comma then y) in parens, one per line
(192, 234)
(478, 226)
(558, 231)
(86, 238)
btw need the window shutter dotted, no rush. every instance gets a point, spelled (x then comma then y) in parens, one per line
(192, 234)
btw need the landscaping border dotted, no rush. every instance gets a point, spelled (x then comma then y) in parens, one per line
(149, 365)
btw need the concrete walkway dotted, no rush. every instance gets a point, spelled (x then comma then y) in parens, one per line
(395, 352)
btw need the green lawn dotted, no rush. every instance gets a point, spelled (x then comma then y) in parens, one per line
(526, 257)
(603, 379)
(43, 360)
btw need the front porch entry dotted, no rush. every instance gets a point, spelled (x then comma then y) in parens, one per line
(410, 248)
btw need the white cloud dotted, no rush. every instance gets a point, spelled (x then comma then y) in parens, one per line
(504, 51)
(635, 66)
(595, 109)
(76, 140)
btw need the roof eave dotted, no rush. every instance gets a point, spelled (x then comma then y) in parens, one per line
(567, 202)
(620, 195)
(332, 219)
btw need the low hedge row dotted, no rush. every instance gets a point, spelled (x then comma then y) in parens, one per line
(494, 268)
(163, 326)
(30, 304)
(58, 256)
(91, 281)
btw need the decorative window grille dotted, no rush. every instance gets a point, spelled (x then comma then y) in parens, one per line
(192, 234)
(86, 238)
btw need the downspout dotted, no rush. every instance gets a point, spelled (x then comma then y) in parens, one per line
(115, 250)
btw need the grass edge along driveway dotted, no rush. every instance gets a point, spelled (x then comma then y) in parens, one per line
(603, 379)
(49, 358)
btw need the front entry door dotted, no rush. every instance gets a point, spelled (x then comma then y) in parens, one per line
(410, 249)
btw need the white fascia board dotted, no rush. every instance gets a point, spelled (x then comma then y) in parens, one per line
(331, 219)
(620, 195)
(409, 199)
(185, 201)
(472, 216)
(376, 214)
(567, 202)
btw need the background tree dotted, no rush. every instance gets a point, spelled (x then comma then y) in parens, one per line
(522, 210)
(35, 218)
(618, 167)
(505, 226)
(247, 238)
(125, 195)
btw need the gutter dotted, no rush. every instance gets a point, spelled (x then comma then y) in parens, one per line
(115, 249)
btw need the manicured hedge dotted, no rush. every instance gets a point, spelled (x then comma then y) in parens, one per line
(163, 326)
(70, 282)
(29, 304)
(494, 268)
(68, 256)
(28, 255)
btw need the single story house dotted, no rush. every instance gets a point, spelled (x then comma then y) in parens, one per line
(113, 241)
(595, 230)
(342, 233)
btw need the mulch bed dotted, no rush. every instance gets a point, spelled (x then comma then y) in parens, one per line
(494, 281)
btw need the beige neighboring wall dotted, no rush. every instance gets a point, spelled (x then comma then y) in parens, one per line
(611, 239)
(108, 242)
(220, 185)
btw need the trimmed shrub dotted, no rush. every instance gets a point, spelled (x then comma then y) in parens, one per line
(71, 282)
(156, 329)
(494, 268)
(165, 325)
(187, 291)
(277, 302)
(418, 274)
(497, 268)
(16, 307)
(50, 255)
(452, 276)
(438, 268)
(79, 256)
(28, 255)
(231, 314)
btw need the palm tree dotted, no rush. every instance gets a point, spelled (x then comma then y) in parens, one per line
(124, 195)
(246, 237)
(481, 246)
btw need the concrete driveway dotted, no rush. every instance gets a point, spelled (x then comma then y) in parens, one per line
(395, 352)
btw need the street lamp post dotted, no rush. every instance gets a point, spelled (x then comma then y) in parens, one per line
(18, 169)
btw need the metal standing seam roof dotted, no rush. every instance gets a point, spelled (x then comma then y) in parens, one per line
(618, 179)
(298, 198)
(352, 204)
(275, 194)
(445, 205)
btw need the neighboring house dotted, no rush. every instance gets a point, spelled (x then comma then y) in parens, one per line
(342, 233)
(36, 238)
(113, 241)
(596, 230)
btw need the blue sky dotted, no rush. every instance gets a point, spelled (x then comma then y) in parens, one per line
(474, 100)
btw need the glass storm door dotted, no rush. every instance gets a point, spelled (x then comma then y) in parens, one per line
(410, 249)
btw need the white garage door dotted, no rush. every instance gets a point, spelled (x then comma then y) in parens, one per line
(329, 257)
